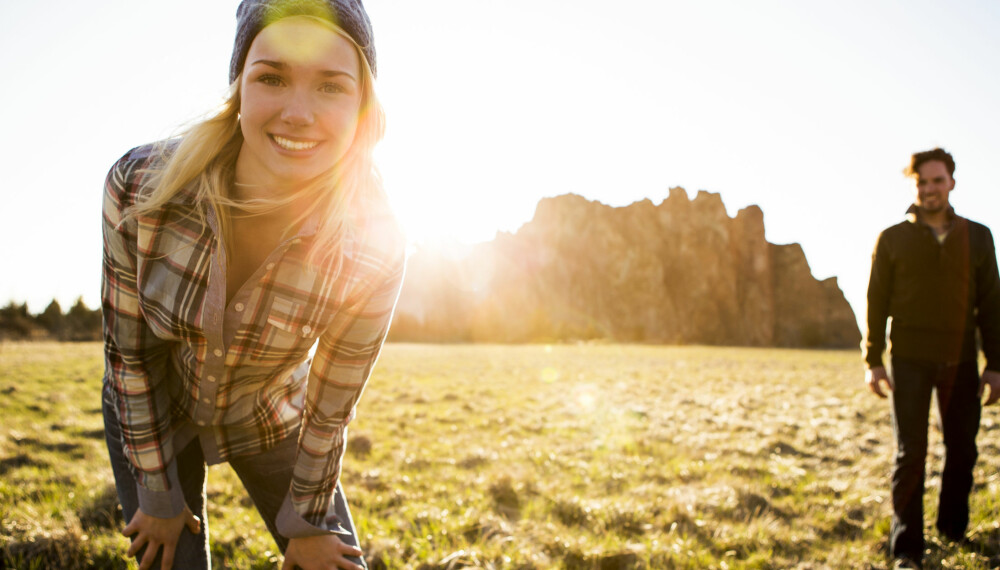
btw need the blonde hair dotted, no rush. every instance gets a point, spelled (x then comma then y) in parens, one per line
(203, 161)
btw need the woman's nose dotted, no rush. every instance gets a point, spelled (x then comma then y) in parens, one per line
(298, 109)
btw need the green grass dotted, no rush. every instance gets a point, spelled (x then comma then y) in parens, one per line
(564, 456)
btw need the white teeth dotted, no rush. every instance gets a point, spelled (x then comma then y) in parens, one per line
(293, 145)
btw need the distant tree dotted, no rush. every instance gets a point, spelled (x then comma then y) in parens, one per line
(83, 323)
(406, 328)
(80, 323)
(53, 320)
(15, 322)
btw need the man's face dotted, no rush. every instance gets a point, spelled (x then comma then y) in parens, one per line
(934, 184)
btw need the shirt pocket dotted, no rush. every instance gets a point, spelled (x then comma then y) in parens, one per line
(286, 334)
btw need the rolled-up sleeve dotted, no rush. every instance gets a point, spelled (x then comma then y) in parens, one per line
(129, 348)
(343, 362)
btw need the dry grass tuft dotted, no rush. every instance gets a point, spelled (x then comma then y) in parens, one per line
(103, 511)
(59, 550)
(571, 512)
(506, 498)
(359, 445)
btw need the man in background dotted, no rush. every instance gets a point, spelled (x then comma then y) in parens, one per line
(935, 274)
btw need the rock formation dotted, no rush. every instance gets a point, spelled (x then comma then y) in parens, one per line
(679, 272)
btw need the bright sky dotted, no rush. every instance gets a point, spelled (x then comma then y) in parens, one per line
(809, 110)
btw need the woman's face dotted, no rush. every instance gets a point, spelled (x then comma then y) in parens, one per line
(300, 99)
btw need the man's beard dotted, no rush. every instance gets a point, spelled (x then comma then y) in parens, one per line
(940, 206)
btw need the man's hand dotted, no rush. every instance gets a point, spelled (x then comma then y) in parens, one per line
(992, 379)
(154, 532)
(874, 377)
(323, 552)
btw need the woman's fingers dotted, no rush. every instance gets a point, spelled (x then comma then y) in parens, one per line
(350, 565)
(150, 556)
(167, 562)
(193, 523)
(137, 545)
(349, 550)
(129, 529)
(324, 552)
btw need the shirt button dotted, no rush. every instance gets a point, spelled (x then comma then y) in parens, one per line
(201, 422)
(270, 266)
(206, 400)
(217, 352)
(306, 329)
(239, 307)
(210, 378)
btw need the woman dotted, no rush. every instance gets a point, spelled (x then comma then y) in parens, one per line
(260, 234)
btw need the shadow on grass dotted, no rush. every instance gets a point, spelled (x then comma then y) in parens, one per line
(93, 433)
(8, 464)
(981, 550)
(60, 447)
(574, 559)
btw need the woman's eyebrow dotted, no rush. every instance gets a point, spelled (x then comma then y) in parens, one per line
(271, 63)
(280, 65)
(335, 73)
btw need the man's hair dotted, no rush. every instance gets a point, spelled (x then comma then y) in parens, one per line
(919, 158)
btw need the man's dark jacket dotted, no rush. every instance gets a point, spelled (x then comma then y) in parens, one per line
(936, 293)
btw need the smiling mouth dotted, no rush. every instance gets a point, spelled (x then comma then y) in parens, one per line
(289, 144)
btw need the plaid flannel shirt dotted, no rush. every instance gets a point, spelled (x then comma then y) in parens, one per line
(181, 363)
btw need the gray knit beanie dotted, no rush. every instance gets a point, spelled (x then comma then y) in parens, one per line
(253, 15)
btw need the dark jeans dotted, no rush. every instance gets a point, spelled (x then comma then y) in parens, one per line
(266, 477)
(958, 403)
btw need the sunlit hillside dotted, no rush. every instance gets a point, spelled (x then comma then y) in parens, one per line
(677, 271)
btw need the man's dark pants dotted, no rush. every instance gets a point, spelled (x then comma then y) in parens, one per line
(958, 403)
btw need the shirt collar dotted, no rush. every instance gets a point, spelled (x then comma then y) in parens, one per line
(188, 195)
(309, 226)
(913, 214)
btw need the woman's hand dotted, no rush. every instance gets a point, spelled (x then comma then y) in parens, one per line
(155, 532)
(322, 552)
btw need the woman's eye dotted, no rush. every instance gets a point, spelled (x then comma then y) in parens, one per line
(272, 80)
(332, 88)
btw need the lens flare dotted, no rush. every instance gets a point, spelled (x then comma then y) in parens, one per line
(549, 375)
(587, 399)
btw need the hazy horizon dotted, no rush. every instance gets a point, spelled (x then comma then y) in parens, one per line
(809, 112)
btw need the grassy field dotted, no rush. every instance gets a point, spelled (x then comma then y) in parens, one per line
(593, 456)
